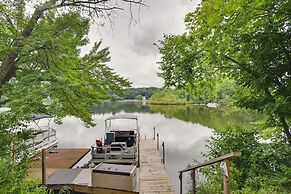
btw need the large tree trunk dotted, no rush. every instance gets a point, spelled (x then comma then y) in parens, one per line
(286, 128)
(8, 66)
(282, 119)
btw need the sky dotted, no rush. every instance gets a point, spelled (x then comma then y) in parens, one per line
(133, 54)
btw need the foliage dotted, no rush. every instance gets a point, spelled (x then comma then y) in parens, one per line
(182, 67)
(139, 97)
(14, 156)
(248, 41)
(262, 167)
(168, 96)
(11, 179)
(115, 97)
(225, 91)
(53, 79)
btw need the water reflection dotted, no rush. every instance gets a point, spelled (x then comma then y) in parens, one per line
(126, 106)
(184, 129)
(216, 118)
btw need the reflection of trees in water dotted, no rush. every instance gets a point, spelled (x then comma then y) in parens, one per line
(125, 106)
(215, 118)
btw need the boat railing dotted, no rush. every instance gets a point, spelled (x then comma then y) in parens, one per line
(105, 152)
(41, 139)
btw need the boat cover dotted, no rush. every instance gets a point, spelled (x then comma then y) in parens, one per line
(121, 117)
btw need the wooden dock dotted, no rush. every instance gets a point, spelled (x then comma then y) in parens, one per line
(153, 175)
(62, 159)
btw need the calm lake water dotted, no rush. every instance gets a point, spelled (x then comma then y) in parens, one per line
(184, 129)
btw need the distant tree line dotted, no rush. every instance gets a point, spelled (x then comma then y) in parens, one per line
(135, 93)
(223, 92)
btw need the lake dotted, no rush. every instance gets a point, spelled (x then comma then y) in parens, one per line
(184, 129)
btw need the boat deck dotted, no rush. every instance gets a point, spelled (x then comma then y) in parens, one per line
(153, 175)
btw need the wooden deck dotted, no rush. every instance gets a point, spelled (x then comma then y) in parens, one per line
(64, 158)
(153, 175)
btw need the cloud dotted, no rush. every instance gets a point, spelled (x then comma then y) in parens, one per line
(143, 40)
(133, 54)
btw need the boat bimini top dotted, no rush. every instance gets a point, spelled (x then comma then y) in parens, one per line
(109, 127)
(122, 117)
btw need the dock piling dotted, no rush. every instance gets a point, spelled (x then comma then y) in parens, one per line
(193, 182)
(164, 158)
(181, 182)
(158, 142)
(43, 167)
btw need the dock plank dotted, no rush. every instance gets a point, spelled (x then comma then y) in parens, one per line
(64, 158)
(153, 175)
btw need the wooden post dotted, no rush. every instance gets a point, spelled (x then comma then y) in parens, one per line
(224, 168)
(13, 150)
(154, 133)
(181, 182)
(145, 137)
(226, 178)
(158, 142)
(193, 182)
(138, 157)
(164, 158)
(43, 167)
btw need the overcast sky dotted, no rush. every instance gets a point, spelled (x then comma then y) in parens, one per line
(133, 54)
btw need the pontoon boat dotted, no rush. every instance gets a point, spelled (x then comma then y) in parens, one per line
(120, 145)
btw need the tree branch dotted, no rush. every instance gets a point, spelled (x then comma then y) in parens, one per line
(242, 66)
(8, 66)
(8, 19)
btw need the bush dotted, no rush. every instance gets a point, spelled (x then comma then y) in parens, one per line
(12, 179)
(262, 167)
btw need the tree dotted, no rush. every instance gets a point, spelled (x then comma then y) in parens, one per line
(53, 79)
(21, 27)
(167, 97)
(248, 42)
(42, 72)
(183, 67)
